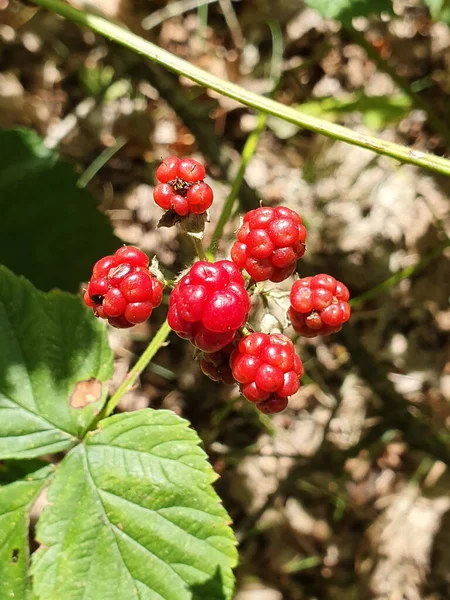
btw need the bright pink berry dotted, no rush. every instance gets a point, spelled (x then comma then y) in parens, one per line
(122, 288)
(181, 187)
(209, 304)
(319, 305)
(269, 243)
(267, 369)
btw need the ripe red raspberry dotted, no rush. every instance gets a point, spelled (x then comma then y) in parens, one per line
(209, 304)
(181, 187)
(216, 365)
(122, 289)
(269, 243)
(267, 370)
(319, 305)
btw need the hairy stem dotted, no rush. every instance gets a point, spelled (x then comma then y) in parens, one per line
(137, 44)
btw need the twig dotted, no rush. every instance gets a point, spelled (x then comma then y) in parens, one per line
(132, 41)
(233, 23)
(175, 9)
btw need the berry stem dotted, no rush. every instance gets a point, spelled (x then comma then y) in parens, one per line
(198, 247)
(137, 44)
(133, 375)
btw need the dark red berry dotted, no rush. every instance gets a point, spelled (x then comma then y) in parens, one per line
(209, 304)
(267, 370)
(269, 243)
(216, 365)
(122, 288)
(319, 305)
(274, 404)
(181, 187)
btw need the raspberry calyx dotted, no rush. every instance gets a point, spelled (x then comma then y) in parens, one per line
(319, 305)
(122, 289)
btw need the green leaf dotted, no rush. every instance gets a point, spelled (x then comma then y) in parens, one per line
(53, 355)
(133, 515)
(439, 9)
(50, 230)
(16, 500)
(346, 10)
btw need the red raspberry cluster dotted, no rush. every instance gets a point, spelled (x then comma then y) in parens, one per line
(269, 243)
(319, 305)
(181, 187)
(267, 370)
(209, 304)
(122, 289)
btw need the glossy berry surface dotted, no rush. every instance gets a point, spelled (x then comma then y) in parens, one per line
(319, 305)
(216, 365)
(181, 187)
(267, 369)
(122, 289)
(209, 304)
(269, 243)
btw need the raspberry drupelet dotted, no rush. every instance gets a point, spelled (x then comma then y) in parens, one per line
(122, 289)
(181, 187)
(267, 370)
(269, 243)
(319, 305)
(209, 304)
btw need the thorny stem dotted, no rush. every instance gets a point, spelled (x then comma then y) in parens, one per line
(133, 375)
(137, 44)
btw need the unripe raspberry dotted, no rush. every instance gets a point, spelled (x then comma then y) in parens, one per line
(319, 305)
(269, 243)
(122, 289)
(181, 187)
(209, 304)
(267, 370)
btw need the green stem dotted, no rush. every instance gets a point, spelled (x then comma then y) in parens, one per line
(100, 161)
(389, 283)
(133, 375)
(137, 44)
(198, 247)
